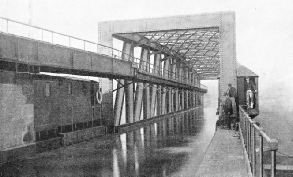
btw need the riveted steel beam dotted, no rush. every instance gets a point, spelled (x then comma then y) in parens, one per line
(119, 102)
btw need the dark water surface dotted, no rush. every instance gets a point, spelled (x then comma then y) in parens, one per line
(172, 147)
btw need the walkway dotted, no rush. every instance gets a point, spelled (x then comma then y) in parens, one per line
(224, 157)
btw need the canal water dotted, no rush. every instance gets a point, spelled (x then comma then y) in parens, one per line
(171, 147)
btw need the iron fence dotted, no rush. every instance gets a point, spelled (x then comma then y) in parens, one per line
(249, 131)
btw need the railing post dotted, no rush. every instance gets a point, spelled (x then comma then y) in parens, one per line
(245, 133)
(7, 25)
(249, 140)
(260, 153)
(247, 136)
(273, 148)
(253, 148)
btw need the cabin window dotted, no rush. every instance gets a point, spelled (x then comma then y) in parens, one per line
(47, 89)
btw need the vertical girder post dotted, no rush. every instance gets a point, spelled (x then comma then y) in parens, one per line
(157, 67)
(140, 86)
(182, 99)
(174, 68)
(138, 101)
(192, 78)
(186, 99)
(128, 50)
(157, 64)
(166, 68)
(119, 102)
(159, 100)
(163, 100)
(170, 100)
(146, 91)
(144, 60)
(186, 73)
(194, 98)
(180, 72)
(153, 99)
(176, 100)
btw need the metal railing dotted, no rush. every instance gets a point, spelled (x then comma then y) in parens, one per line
(157, 70)
(45, 35)
(249, 130)
(34, 32)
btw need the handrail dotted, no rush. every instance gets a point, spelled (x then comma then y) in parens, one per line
(112, 52)
(248, 129)
(54, 32)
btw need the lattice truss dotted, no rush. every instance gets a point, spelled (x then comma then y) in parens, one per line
(199, 47)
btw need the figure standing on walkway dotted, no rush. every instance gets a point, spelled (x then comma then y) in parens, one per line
(250, 93)
(228, 110)
(233, 97)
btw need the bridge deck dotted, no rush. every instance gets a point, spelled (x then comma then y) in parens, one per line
(224, 156)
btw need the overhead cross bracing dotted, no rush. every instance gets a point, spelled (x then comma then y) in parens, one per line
(198, 47)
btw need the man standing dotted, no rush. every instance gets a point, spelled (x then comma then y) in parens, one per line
(250, 93)
(228, 110)
(233, 96)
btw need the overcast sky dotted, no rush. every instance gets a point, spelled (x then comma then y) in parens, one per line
(264, 28)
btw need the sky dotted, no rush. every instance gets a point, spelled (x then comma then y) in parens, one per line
(264, 28)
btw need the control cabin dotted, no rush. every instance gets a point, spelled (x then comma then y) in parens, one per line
(250, 101)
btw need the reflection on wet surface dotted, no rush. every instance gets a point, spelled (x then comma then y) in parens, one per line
(170, 147)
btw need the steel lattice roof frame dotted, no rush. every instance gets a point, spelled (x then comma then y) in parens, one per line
(204, 42)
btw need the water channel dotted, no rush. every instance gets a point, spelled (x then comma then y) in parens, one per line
(171, 147)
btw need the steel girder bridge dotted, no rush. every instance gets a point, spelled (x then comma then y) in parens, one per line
(175, 54)
(196, 47)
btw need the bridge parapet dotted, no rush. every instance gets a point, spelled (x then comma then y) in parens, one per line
(248, 131)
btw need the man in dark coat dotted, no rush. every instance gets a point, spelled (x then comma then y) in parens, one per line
(228, 110)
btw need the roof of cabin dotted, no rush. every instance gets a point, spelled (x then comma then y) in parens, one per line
(242, 71)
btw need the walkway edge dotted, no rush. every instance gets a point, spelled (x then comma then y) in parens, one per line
(247, 163)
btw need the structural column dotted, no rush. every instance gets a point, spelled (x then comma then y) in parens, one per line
(176, 100)
(182, 99)
(174, 68)
(170, 100)
(154, 87)
(153, 99)
(166, 68)
(146, 91)
(140, 86)
(159, 100)
(128, 50)
(163, 100)
(119, 102)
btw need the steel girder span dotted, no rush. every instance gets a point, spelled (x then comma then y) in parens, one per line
(144, 88)
(195, 47)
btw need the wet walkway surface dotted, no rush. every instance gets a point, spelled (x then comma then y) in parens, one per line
(172, 147)
(224, 157)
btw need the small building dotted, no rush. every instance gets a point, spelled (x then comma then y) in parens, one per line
(242, 74)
